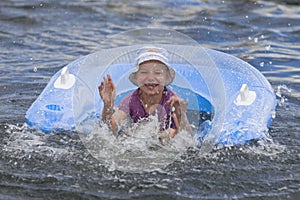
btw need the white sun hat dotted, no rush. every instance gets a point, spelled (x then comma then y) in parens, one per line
(152, 53)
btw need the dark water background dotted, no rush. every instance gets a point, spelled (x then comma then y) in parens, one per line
(37, 38)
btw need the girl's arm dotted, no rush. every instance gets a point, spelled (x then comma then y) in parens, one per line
(107, 93)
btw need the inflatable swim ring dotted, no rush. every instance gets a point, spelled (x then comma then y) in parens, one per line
(230, 102)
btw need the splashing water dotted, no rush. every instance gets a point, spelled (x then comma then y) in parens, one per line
(25, 142)
(281, 92)
(137, 150)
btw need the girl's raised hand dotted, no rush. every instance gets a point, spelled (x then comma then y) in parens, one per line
(107, 90)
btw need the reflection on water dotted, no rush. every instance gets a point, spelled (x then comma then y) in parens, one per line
(37, 38)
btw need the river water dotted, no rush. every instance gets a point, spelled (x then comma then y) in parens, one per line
(37, 38)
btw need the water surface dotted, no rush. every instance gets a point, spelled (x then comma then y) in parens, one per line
(37, 38)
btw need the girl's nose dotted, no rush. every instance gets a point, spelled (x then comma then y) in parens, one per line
(151, 78)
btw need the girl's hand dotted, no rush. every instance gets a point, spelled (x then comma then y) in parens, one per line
(178, 109)
(178, 103)
(166, 135)
(107, 91)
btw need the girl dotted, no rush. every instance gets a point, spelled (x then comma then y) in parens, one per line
(151, 75)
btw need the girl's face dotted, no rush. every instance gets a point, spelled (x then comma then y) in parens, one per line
(152, 76)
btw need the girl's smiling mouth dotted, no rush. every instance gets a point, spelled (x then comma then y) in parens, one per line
(151, 85)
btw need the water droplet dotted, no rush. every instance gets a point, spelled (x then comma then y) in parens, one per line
(273, 114)
(262, 64)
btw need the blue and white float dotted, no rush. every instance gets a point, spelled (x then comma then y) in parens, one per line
(230, 102)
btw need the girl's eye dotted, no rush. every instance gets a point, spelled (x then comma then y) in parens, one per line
(143, 72)
(158, 72)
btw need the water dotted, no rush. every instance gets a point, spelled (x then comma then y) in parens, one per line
(37, 38)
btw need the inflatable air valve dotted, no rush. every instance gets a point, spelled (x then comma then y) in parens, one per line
(245, 97)
(65, 80)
